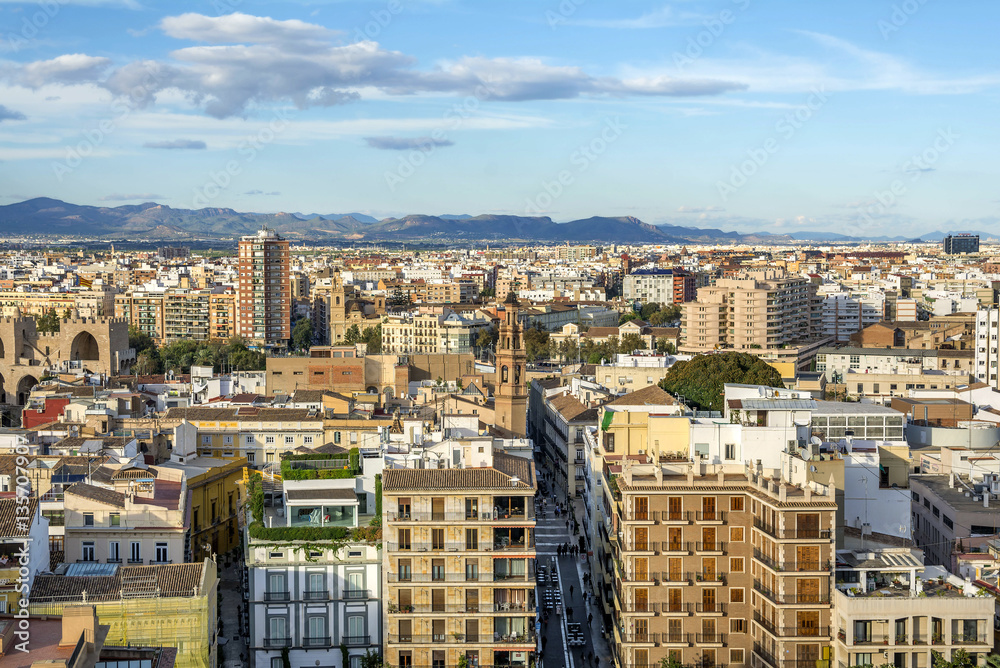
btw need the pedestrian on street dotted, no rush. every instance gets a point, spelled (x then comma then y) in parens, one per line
(590, 619)
(571, 591)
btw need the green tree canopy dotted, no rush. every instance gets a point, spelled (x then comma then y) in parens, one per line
(701, 379)
(628, 315)
(536, 343)
(631, 342)
(302, 334)
(49, 322)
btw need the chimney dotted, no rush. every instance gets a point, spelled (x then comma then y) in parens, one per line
(951, 480)
(77, 620)
(986, 498)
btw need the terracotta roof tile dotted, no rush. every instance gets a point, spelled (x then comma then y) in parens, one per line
(9, 515)
(171, 580)
(100, 494)
(499, 476)
(653, 395)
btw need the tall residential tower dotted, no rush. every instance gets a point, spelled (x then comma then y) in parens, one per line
(265, 294)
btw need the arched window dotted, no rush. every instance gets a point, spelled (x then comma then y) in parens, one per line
(503, 374)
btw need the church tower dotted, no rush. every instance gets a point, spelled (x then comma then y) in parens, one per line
(510, 391)
(338, 309)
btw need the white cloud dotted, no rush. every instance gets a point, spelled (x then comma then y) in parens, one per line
(407, 143)
(242, 28)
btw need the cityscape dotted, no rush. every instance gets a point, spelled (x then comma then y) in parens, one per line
(701, 369)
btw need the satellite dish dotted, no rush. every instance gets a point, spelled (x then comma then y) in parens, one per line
(816, 440)
(903, 529)
(812, 469)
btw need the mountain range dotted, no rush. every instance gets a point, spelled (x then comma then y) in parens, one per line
(151, 221)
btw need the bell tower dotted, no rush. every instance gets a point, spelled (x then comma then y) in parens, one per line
(510, 391)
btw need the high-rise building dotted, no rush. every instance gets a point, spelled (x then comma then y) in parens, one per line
(760, 311)
(511, 390)
(961, 243)
(459, 569)
(265, 294)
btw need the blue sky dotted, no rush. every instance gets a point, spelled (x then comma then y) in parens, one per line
(859, 116)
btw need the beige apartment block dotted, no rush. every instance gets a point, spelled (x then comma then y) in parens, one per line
(716, 566)
(459, 569)
(759, 310)
(136, 516)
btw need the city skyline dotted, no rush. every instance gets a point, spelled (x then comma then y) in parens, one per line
(865, 119)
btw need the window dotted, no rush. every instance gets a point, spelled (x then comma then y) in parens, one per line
(738, 626)
(316, 583)
(206, 439)
(161, 553)
(736, 564)
(307, 440)
(135, 552)
(936, 511)
(730, 451)
(437, 539)
(404, 539)
(251, 457)
(336, 437)
(269, 440)
(471, 570)
(471, 539)
(277, 629)
(736, 504)
(317, 628)
(355, 628)
(437, 570)
(248, 439)
(88, 519)
(915, 497)
(114, 552)
(227, 440)
(736, 534)
(947, 522)
(736, 595)
(88, 551)
(356, 585)
(736, 656)
(405, 570)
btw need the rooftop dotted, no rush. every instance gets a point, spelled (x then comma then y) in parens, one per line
(939, 485)
(501, 476)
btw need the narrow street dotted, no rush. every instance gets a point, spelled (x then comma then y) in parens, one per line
(562, 644)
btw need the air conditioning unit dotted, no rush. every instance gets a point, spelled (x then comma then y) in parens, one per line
(642, 452)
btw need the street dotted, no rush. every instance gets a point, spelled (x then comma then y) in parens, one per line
(558, 645)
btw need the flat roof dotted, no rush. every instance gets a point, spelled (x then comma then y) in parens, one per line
(329, 494)
(954, 496)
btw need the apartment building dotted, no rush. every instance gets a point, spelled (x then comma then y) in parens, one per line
(222, 314)
(890, 609)
(315, 587)
(259, 435)
(661, 286)
(264, 292)
(987, 346)
(714, 565)
(844, 314)
(565, 419)
(459, 571)
(132, 515)
(143, 310)
(762, 310)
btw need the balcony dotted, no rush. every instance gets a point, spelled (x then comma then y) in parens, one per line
(676, 549)
(357, 595)
(710, 578)
(277, 642)
(791, 534)
(276, 596)
(820, 566)
(463, 609)
(715, 547)
(356, 641)
(675, 516)
(319, 595)
(962, 639)
(443, 577)
(668, 577)
(710, 517)
(791, 631)
(875, 639)
(792, 599)
(717, 639)
(675, 609)
(318, 641)
(711, 608)
(497, 515)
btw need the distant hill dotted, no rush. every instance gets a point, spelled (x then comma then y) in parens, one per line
(152, 221)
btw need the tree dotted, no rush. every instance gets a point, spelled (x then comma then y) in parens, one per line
(632, 342)
(487, 337)
(302, 334)
(48, 323)
(666, 315)
(371, 659)
(665, 346)
(670, 662)
(536, 343)
(625, 317)
(352, 335)
(138, 339)
(648, 310)
(146, 364)
(372, 336)
(701, 379)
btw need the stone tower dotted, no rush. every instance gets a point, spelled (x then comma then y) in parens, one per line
(510, 391)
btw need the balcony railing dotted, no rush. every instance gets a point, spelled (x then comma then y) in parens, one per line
(963, 639)
(461, 516)
(676, 546)
(875, 639)
(441, 638)
(792, 599)
(710, 516)
(277, 642)
(714, 546)
(711, 638)
(792, 566)
(791, 534)
(468, 608)
(318, 595)
(658, 638)
(709, 608)
(318, 641)
(357, 595)
(276, 596)
(356, 640)
(444, 577)
(792, 631)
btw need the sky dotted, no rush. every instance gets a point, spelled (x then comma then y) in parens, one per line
(863, 117)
